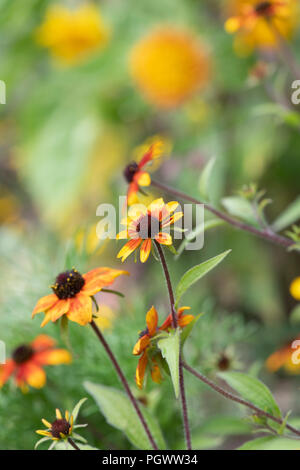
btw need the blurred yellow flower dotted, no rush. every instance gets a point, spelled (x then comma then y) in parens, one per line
(258, 23)
(169, 65)
(295, 288)
(72, 34)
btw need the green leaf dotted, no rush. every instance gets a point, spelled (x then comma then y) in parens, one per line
(197, 272)
(205, 179)
(226, 426)
(64, 445)
(170, 347)
(77, 408)
(289, 216)
(241, 208)
(40, 441)
(295, 315)
(208, 224)
(253, 390)
(119, 413)
(271, 443)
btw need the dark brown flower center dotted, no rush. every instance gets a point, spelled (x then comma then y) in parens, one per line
(223, 362)
(264, 8)
(130, 171)
(148, 227)
(22, 354)
(60, 426)
(68, 284)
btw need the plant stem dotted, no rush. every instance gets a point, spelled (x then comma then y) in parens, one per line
(70, 441)
(175, 324)
(232, 397)
(267, 234)
(124, 382)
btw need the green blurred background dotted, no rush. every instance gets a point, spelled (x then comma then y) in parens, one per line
(65, 135)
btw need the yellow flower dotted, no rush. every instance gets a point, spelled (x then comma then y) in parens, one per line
(169, 65)
(72, 35)
(258, 23)
(145, 224)
(295, 288)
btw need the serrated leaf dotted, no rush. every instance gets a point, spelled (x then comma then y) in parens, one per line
(289, 216)
(241, 208)
(205, 179)
(170, 348)
(271, 443)
(119, 413)
(196, 273)
(253, 390)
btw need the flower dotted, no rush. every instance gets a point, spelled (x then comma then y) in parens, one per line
(147, 223)
(144, 345)
(73, 295)
(258, 23)
(71, 35)
(62, 428)
(169, 65)
(284, 357)
(135, 173)
(27, 361)
(295, 288)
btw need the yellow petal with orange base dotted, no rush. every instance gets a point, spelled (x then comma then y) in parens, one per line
(152, 320)
(141, 369)
(143, 178)
(155, 372)
(44, 304)
(141, 345)
(53, 357)
(59, 309)
(35, 376)
(185, 320)
(128, 248)
(43, 342)
(164, 238)
(98, 278)
(80, 309)
(145, 250)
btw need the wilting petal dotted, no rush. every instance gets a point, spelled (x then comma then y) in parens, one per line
(43, 342)
(141, 369)
(143, 178)
(145, 250)
(32, 374)
(59, 309)
(163, 238)
(80, 309)
(98, 278)
(129, 248)
(53, 357)
(141, 345)
(155, 372)
(6, 370)
(44, 304)
(185, 320)
(152, 321)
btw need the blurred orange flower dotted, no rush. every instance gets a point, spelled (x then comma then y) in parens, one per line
(285, 357)
(72, 34)
(143, 345)
(27, 361)
(258, 23)
(169, 65)
(73, 295)
(147, 223)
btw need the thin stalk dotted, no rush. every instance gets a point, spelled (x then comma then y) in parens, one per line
(124, 382)
(185, 418)
(266, 234)
(232, 397)
(70, 441)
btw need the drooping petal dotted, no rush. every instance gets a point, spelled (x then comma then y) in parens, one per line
(185, 320)
(80, 309)
(128, 248)
(98, 278)
(141, 345)
(167, 323)
(132, 193)
(46, 319)
(145, 250)
(42, 342)
(141, 369)
(143, 178)
(44, 304)
(163, 238)
(59, 309)
(32, 374)
(53, 357)
(6, 370)
(155, 372)
(152, 321)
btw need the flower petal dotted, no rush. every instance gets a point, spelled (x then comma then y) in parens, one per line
(59, 309)
(143, 178)
(155, 372)
(44, 304)
(141, 369)
(132, 193)
(53, 357)
(128, 248)
(173, 219)
(80, 309)
(145, 250)
(46, 319)
(278, 359)
(185, 320)
(141, 345)
(42, 342)
(32, 374)
(6, 370)
(163, 238)
(98, 278)
(152, 321)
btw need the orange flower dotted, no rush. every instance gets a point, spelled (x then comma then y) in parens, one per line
(135, 173)
(73, 295)
(284, 357)
(144, 346)
(145, 224)
(256, 22)
(27, 361)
